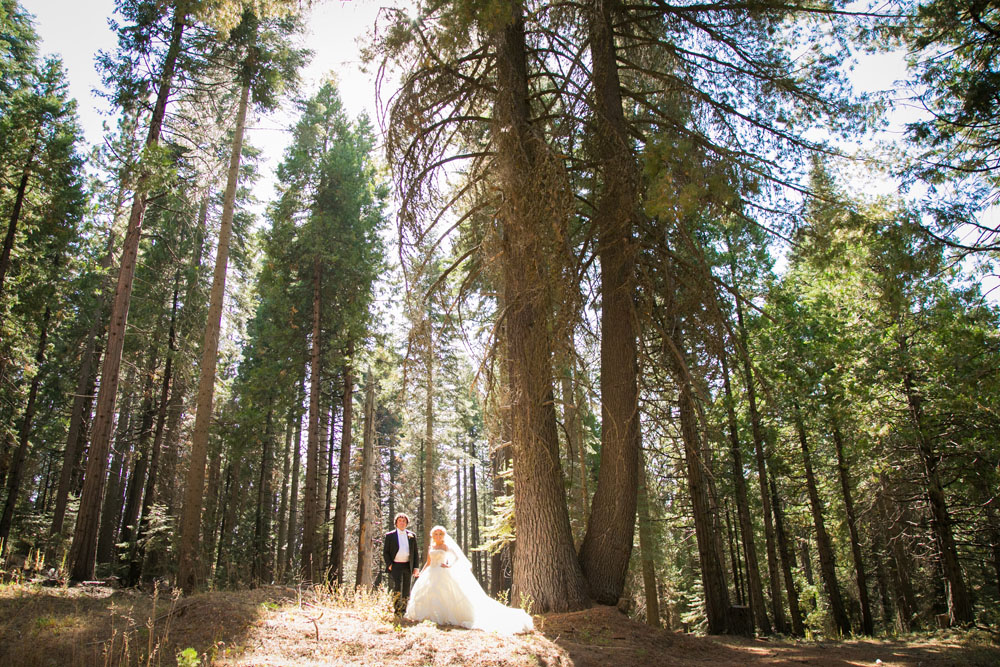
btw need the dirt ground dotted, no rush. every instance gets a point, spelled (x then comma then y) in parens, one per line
(84, 626)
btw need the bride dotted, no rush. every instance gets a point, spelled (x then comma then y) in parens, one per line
(447, 593)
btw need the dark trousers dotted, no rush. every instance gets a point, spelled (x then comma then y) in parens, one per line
(399, 577)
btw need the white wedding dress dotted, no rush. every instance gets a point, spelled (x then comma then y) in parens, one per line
(452, 596)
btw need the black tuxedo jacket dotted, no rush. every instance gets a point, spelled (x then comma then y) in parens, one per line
(390, 545)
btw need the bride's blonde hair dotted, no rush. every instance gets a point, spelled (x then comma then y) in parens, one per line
(437, 528)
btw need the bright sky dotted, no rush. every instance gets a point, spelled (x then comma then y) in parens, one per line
(78, 29)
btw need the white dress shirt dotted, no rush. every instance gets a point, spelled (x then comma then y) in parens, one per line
(403, 554)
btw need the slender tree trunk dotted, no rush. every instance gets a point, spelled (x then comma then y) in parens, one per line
(774, 582)
(756, 588)
(734, 558)
(84, 391)
(960, 609)
(137, 480)
(310, 503)
(647, 550)
(607, 544)
(477, 563)
(366, 513)
(83, 551)
(15, 215)
(430, 463)
(282, 537)
(139, 548)
(710, 554)
(112, 502)
(546, 567)
(194, 488)
(325, 485)
(16, 472)
(898, 561)
(827, 565)
(784, 550)
(343, 472)
(867, 624)
(294, 493)
(500, 462)
(262, 519)
(233, 500)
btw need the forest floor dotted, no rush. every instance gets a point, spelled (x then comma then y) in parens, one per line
(99, 625)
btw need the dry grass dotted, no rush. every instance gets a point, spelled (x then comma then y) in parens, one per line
(93, 626)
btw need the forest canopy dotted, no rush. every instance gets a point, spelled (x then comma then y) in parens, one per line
(639, 300)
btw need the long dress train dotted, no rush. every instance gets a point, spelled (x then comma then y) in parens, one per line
(452, 596)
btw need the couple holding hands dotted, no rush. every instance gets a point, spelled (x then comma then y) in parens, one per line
(445, 590)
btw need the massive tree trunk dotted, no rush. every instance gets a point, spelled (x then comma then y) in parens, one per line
(366, 513)
(194, 488)
(84, 549)
(16, 472)
(867, 624)
(607, 544)
(827, 564)
(546, 568)
(756, 588)
(343, 472)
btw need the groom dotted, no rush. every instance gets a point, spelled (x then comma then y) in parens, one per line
(399, 549)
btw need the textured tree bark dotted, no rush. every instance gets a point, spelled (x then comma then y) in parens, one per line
(366, 512)
(343, 472)
(867, 624)
(756, 588)
(546, 568)
(83, 551)
(607, 544)
(827, 565)
(194, 488)
(16, 472)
